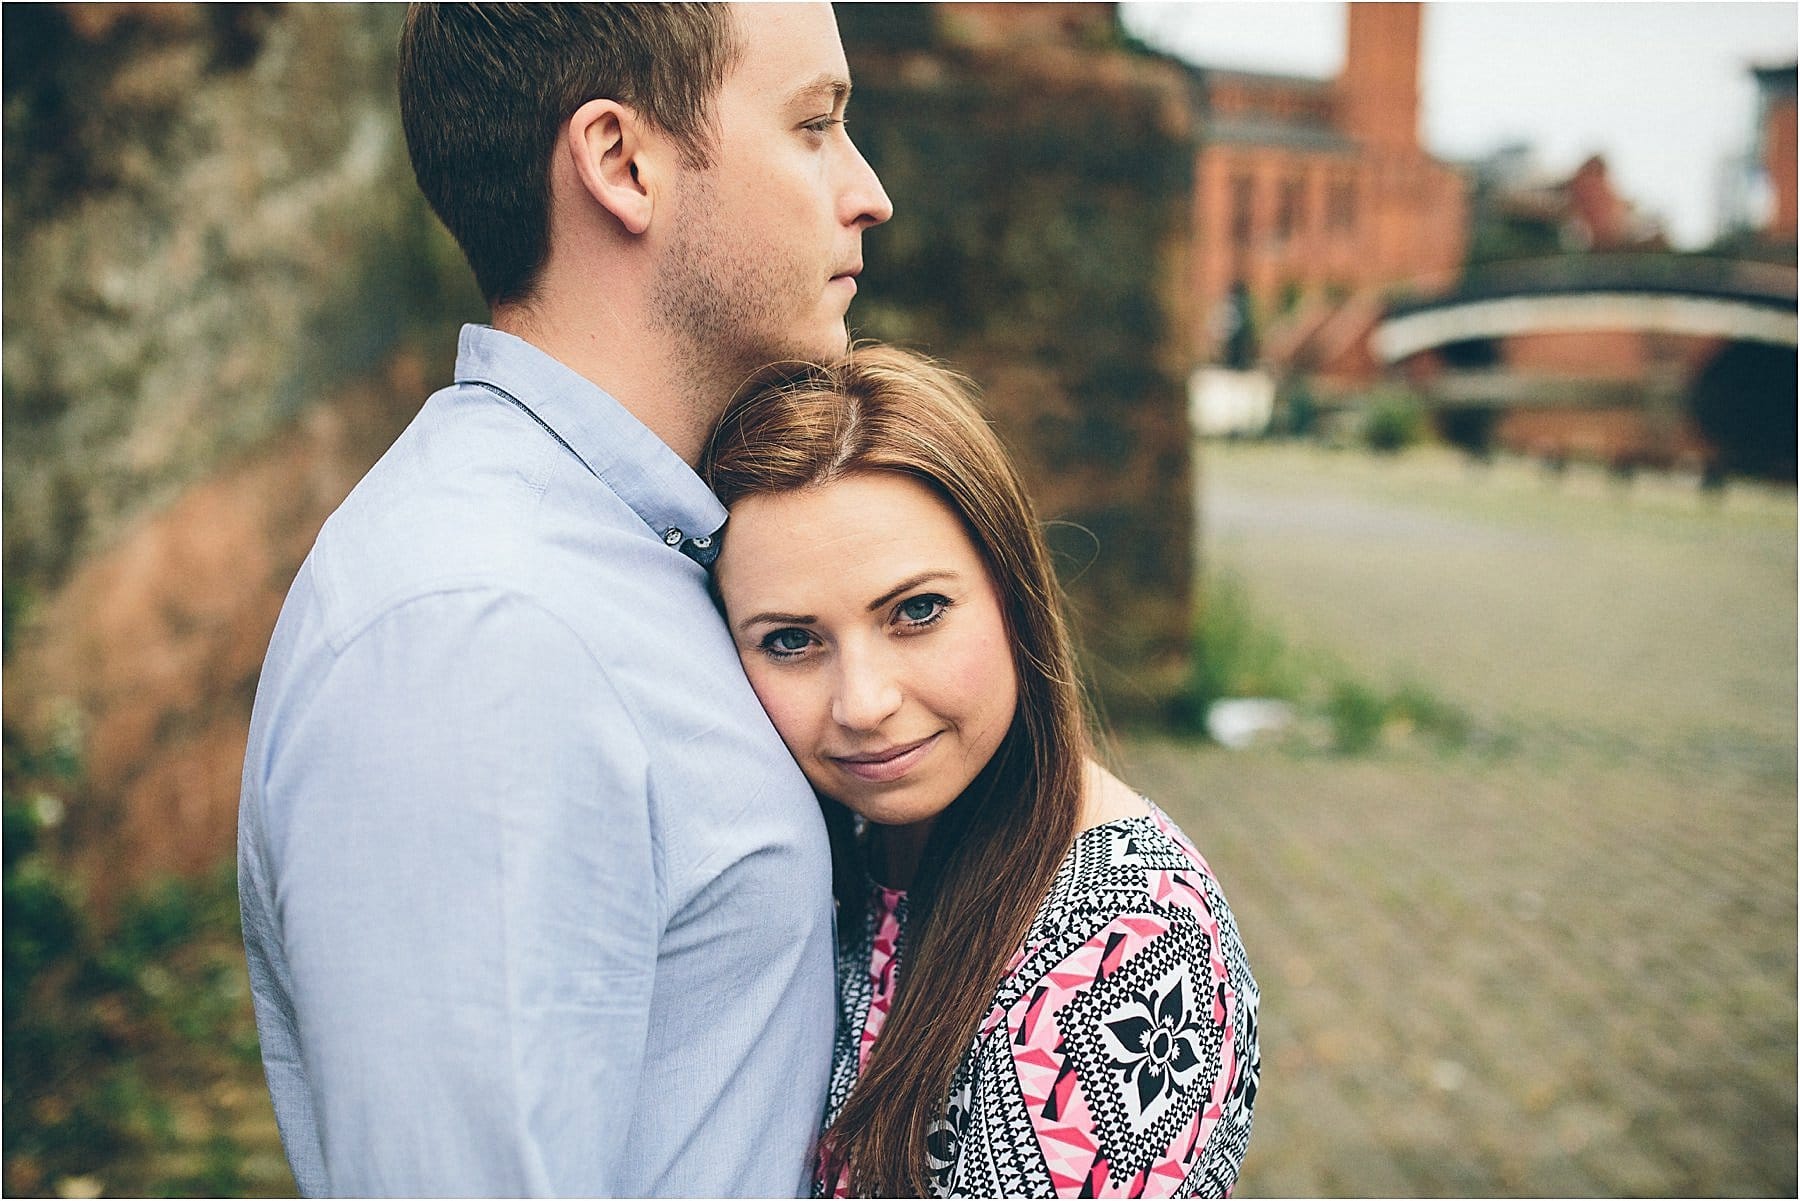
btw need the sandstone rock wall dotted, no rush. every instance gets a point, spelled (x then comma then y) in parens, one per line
(220, 286)
(209, 221)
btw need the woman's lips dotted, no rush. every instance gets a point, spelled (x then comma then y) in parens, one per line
(882, 767)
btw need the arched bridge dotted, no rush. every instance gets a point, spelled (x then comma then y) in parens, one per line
(1737, 300)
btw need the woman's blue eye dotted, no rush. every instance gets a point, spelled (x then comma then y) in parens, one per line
(922, 610)
(787, 642)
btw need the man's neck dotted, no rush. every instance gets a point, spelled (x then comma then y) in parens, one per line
(668, 391)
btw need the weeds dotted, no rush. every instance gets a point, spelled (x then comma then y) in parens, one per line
(129, 1045)
(1234, 656)
(1237, 656)
(1393, 423)
(1357, 714)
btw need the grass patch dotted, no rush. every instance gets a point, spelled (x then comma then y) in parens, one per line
(1238, 656)
(1393, 423)
(1357, 714)
(1234, 655)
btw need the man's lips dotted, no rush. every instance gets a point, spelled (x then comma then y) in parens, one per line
(888, 764)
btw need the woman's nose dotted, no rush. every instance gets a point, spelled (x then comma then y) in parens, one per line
(867, 694)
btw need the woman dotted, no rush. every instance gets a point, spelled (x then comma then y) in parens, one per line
(1041, 989)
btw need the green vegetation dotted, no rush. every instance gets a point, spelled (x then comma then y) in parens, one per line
(1236, 656)
(1357, 713)
(1362, 717)
(131, 1062)
(1297, 412)
(1393, 423)
(1233, 655)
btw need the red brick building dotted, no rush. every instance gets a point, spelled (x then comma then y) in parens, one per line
(1777, 136)
(1519, 213)
(1317, 198)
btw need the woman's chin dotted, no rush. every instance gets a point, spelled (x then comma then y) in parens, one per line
(895, 809)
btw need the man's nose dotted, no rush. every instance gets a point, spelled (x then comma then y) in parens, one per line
(866, 202)
(868, 692)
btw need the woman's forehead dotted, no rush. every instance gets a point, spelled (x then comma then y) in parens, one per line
(858, 532)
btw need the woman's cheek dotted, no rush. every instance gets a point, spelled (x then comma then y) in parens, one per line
(984, 682)
(781, 696)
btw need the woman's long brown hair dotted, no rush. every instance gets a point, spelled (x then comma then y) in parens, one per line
(994, 852)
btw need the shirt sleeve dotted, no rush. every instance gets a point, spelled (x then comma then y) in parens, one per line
(461, 850)
(1115, 1071)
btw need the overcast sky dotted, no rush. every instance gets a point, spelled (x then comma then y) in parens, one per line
(1661, 89)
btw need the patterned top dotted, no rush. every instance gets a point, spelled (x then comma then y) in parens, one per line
(1119, 1058)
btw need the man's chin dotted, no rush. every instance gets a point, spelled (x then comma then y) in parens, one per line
(840, 345)
(827, 348)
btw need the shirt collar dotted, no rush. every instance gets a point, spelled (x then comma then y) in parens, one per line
(616, 447)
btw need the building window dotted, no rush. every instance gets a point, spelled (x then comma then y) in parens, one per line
(1288, 212)
(1341, 209)
(1243, 199)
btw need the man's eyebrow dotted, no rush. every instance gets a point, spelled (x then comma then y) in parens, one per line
(834, 87)
(784, 619)
(911, 582)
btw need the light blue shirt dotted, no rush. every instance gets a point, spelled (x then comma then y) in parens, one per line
(534, 900)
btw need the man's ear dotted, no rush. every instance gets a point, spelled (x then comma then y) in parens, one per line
(607, 146)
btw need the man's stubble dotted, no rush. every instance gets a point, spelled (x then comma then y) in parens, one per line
(725, 300)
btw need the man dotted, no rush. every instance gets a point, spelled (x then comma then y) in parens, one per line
(534, 901)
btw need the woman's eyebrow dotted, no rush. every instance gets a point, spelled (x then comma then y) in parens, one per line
(910, 583)
(785, 619)
(806, 619)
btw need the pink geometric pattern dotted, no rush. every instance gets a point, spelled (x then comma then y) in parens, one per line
(883, 966)
(1119, 1058)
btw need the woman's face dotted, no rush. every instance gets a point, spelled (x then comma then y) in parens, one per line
(872, 633)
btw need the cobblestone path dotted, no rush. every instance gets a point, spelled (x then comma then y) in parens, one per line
(1562, 968)
(1506, 979)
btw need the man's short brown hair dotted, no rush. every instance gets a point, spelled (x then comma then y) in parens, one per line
(486, 88)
